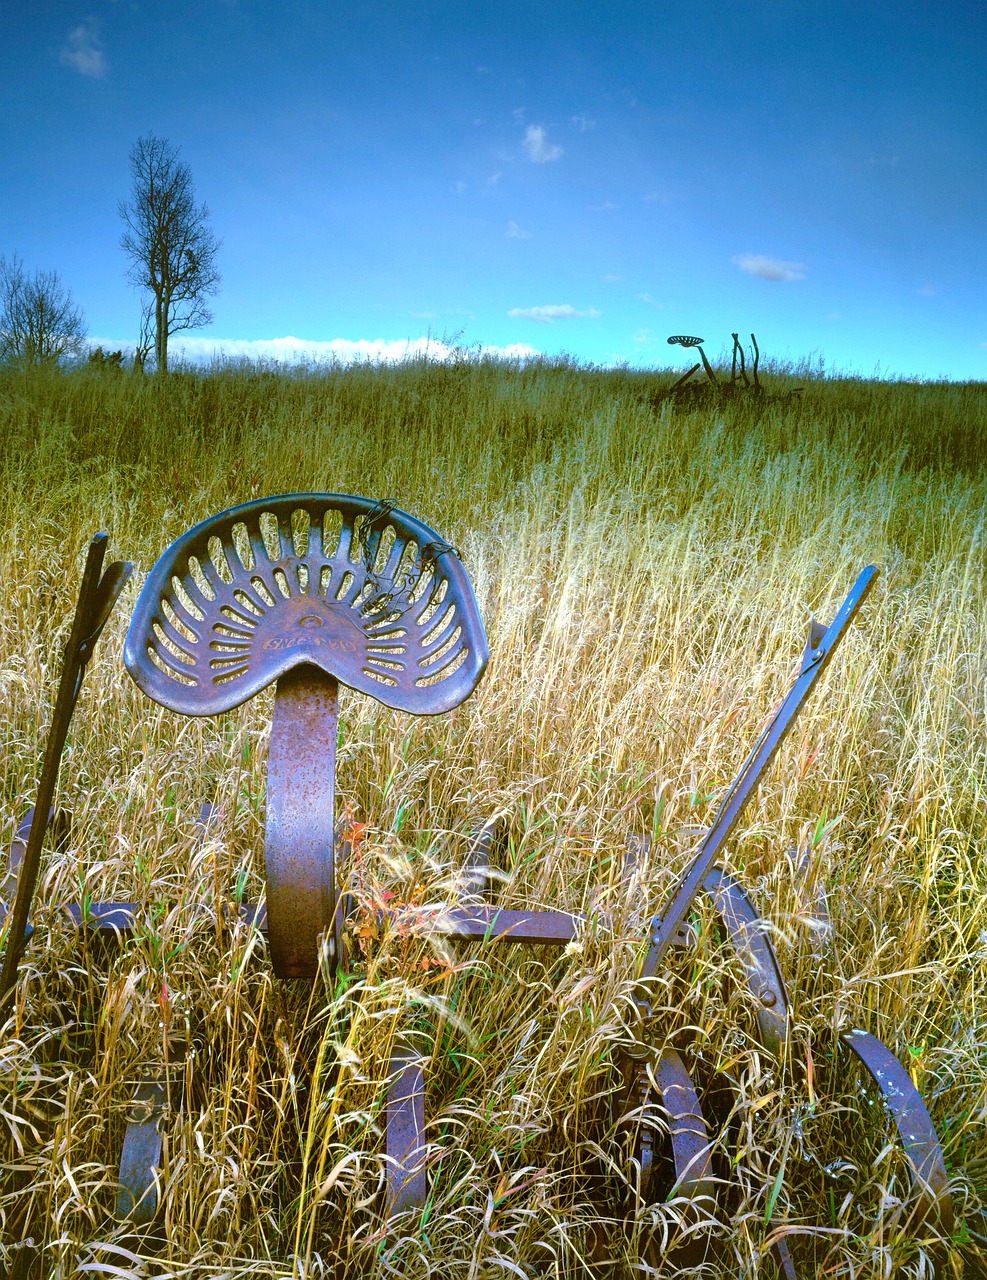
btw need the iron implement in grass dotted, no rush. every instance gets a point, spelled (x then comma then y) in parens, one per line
(660, 1100)
(310, 591)
(717, 389)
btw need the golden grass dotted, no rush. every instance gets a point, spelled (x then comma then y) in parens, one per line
(646, 579)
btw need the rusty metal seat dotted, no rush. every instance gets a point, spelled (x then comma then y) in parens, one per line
(308, 590)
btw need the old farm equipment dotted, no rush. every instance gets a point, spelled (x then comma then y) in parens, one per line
(743, 386)
(307, 591)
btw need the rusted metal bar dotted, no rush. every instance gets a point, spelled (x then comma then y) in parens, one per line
(406, 1179)
(637, 851)
(98, 593)
(914, 1125)
(709, 368)
(821, 646)
(140, 1161)
(300, 834)
(757, 361)
(484, 923)
(762, 972)
(783, 1258)
(738, 358)
(679, 382)
(480, 923)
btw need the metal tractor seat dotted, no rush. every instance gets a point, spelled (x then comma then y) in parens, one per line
(306, 590)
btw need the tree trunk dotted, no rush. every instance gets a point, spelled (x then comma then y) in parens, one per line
(161, 334)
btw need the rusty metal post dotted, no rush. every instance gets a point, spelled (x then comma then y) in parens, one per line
(299, 848)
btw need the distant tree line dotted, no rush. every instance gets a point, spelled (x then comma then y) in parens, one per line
(172, 252)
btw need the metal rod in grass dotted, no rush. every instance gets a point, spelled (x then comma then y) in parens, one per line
(821, 646)
(98, 593)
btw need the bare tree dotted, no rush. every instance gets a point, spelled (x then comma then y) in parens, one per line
(171, 248)
(39, 322)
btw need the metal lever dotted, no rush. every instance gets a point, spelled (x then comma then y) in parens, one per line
(819, 650)
(98, 594)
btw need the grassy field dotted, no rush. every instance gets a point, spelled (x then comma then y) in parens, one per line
(646, 578)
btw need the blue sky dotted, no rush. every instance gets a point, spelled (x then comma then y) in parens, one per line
(585, 178)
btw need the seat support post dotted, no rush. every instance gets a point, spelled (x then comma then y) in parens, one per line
(299, 845)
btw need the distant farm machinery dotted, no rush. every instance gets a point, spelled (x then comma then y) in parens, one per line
(742, 387)
(307, 591)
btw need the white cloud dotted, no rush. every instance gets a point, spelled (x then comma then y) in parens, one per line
(537, 145)
(641, 337)
(547, 315)
(294, 351)
(84, 52)
(927, 291)
(610, 278)
(514, 232)
(646, 297)
(756, 264)
(583, 123)
(607, 206)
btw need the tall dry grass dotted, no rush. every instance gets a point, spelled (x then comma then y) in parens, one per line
(647, 579)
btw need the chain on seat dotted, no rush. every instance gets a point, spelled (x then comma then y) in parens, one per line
(306, 589)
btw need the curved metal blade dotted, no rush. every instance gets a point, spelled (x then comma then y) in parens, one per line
(913, 1122)
(137, 1196)
(749, 934)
